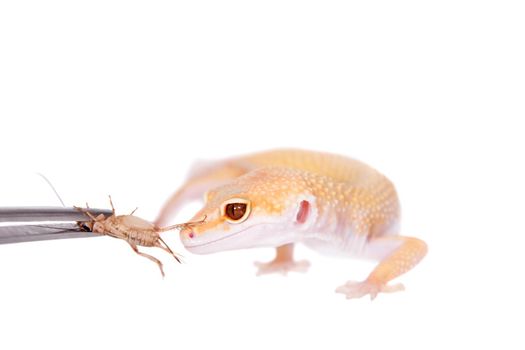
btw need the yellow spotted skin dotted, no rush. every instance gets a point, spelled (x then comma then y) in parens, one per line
(352, 203)
(333, 179)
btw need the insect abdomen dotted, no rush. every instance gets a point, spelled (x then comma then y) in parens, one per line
(147, 239)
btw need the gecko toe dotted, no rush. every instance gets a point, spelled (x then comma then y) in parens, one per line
(282, 267)
(353, 289)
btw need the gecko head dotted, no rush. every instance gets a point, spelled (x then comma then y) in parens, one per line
(266, 207)
(96, 225)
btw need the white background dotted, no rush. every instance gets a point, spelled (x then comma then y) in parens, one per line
(120, 97)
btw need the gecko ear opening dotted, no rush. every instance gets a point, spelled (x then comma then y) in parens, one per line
(303, 212)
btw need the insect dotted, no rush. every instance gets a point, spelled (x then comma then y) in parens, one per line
(132, 229)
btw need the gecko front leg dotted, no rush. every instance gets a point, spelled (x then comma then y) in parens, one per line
(283, 262)
(407, 253)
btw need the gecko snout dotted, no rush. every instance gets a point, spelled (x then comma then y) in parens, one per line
(187, 233)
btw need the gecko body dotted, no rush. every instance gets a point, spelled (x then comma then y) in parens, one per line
(328, 202)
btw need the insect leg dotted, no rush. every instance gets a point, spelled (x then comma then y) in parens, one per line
(169, 228)
(86, 212)
(133, 212)
(152, 258)
(167, 248)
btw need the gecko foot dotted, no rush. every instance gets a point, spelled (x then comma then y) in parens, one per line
(353, 289)
(282, 267)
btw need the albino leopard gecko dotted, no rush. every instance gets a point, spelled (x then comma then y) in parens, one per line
(278, 198)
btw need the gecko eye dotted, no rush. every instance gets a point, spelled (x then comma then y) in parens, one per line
(236, 210)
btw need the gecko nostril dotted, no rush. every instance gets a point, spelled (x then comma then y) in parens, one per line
(190, 233)
(187, 232)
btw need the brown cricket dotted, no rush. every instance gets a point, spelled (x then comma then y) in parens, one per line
(132, 229)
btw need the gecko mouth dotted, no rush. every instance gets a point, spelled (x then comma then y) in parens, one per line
(203, 244)
(215, 240)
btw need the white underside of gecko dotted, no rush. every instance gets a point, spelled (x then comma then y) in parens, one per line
(358, 248)
(273, 234)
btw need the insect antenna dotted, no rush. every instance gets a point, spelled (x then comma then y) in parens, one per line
(193, 223)
(181, 226)
(52, 187)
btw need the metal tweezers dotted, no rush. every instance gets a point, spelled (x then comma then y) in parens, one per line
(28, 224)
